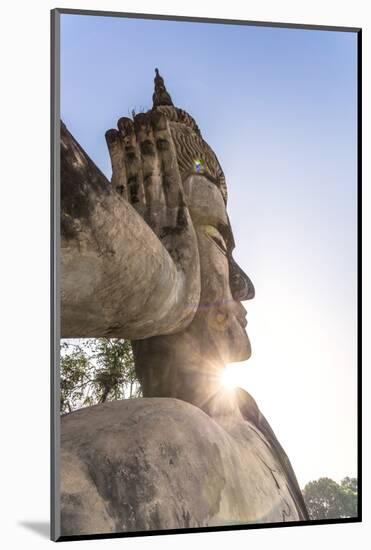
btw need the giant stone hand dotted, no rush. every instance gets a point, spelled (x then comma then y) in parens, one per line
(145, 171)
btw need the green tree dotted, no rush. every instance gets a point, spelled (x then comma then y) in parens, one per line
(96, 370)
(326, 499)
(349, 487)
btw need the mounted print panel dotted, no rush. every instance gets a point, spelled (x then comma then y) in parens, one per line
(205, 235)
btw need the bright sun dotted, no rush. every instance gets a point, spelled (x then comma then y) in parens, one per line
(231, 377)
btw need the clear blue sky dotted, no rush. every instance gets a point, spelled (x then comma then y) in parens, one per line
(278, 106)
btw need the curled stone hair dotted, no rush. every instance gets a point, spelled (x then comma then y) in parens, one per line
(193, 153)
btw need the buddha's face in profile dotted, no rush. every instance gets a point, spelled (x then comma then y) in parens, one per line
(183, 364)
(220, 321)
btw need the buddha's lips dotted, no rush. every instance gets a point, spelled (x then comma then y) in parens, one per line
(241, 315)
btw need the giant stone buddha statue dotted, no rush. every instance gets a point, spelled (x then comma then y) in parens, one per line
(149, 257)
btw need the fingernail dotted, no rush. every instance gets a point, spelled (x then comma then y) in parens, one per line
(111, 135)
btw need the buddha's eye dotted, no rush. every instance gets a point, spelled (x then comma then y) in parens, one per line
(219, 241)
(216, 237)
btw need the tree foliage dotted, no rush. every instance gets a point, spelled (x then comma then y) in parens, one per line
(96, 370)
(326, 499)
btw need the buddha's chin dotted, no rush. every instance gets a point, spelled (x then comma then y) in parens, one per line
(241, 353)
(236, 347)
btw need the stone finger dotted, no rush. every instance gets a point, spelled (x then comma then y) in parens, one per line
(133, 164)
(171, 179)
(155, 199)
(115, 148)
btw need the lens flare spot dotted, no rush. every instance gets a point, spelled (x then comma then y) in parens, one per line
(231, 377)
(198, 166)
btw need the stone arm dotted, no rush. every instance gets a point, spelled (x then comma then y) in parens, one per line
(117, 278)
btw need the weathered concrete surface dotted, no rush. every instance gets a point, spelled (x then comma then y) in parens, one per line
(152, 464)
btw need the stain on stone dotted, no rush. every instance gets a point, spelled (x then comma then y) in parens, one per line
(170, 453)
(68, 226)
(81, 184)
(130, 152)
(182, 218)
(148, 179)
(167, 182)
(216, 481)
(117, 483)
(70, 517)
(162, 144)
(147, 148)
(133, 189)
(171, 230)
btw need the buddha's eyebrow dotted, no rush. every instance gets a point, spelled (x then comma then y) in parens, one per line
(226, 232)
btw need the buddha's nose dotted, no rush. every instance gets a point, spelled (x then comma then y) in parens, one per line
(241, 285)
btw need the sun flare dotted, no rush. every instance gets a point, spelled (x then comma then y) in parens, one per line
(231, 377)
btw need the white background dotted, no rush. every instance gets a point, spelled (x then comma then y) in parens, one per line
(24, 288)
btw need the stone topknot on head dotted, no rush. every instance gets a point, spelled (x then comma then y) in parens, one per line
(160, 96)
(193, 153)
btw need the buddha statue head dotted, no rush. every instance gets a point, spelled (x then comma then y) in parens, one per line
(188, 365)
